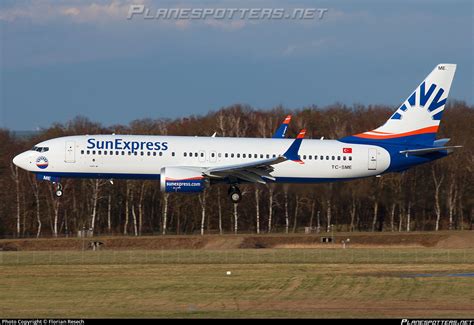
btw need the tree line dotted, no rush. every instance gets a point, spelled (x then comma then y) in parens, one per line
(433, 196)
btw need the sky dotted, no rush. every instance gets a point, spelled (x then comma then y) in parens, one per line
(60, 59)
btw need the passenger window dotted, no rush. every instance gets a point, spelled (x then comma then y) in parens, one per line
(226, 155)
(261, 155)
(213, 155)
(238, 155)
(185, 154)
(327, 157)
(304, 156)
(232, 155)
(350, 157)
(148, 153)
(82, 152)
(93, 152)
(338, 157)
(343, 157)
(268, 156)
(310, 157)
(333, 157)
(154, 153)
(161, 153)
(105, 153)
(88, 152)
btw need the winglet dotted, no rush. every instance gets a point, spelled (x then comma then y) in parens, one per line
(281, 131)
(292, 152)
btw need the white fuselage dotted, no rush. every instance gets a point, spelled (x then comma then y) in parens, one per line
(109, 156)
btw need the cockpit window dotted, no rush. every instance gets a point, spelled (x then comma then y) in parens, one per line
(40, 149)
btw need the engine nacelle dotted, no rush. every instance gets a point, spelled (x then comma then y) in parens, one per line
(182, 179)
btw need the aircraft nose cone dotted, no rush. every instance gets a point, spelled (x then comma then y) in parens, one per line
(21, 160)
(16, 160)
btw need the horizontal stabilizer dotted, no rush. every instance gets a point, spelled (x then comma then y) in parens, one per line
(441, 142)
(425, 151)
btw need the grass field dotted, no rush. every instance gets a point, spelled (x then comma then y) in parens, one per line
(264, 283)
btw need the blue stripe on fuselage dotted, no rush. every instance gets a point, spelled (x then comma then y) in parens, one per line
(157, 177)
(101, 175)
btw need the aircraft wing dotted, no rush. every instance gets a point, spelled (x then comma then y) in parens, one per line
(257, 171)
(425, 151)
(281, 131)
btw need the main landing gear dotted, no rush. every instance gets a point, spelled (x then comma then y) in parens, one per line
(58, 190)
(235, 194)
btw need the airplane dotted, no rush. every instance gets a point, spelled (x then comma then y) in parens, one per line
(281, 131)
(191, 164)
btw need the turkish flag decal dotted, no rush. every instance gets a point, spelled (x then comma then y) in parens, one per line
(346, 150)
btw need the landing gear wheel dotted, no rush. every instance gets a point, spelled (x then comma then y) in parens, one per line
(59, 190)
(235, 194)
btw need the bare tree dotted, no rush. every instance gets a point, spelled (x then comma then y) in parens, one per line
(451, 198)
(36, 193)
(140, 208)
(287, 216)
(437, 182)
(202, 201)
(257, 208)
(165, 212)
(270, 206)
(353, 213)
(127, 191)
(392, 216)
(96, 185)
(219, 210)
(16, 179)
(109, 213)
(297, 206)
(134, 216)
(55, 202)
(313, 205)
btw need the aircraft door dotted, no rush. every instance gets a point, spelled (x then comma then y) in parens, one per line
(372, 158)
(70, 152)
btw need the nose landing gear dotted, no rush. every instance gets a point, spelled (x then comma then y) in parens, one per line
(58, 190)
(235, 194)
